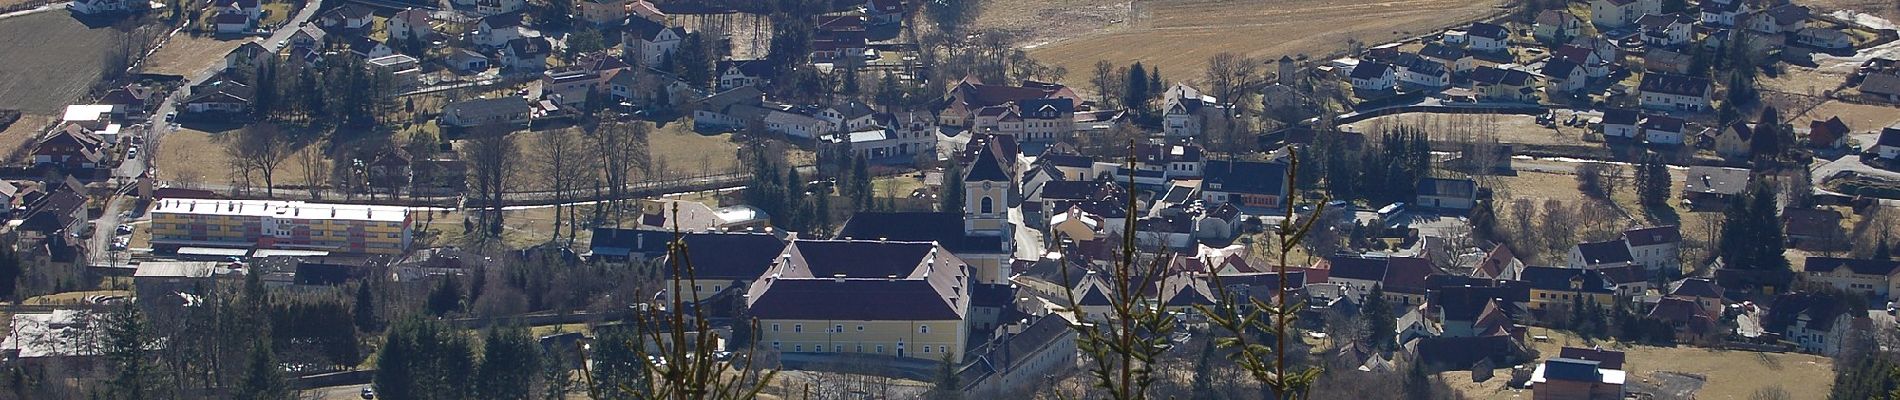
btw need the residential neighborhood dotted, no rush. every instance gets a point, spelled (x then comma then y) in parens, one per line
(898, 199)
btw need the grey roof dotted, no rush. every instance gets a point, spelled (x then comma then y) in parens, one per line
(1618, 116)
(1652, 235)
(1571, 369)
(1604, 252)
(1371, 70)
(1695, 287)
(1857, 266)
(1890, 136)
(1716, 180)
(1442, 52)
(1606, 359)
(1662, 123)
(1244, 177)
(1682, 85)
(1559, 69)
(1487, 30)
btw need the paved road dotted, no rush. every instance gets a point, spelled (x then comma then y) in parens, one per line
(1852, 163)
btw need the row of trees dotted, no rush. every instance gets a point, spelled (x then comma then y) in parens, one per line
(1382, 172)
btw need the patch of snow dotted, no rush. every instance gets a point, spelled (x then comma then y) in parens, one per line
(1846, 65)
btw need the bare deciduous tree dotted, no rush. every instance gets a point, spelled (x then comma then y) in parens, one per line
(315, 167)
(561, 158)
(257, 149)
(1230, 76)
(491, 157)
(622, 150)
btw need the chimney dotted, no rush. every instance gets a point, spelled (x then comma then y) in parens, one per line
(837, 277)
(891, 277)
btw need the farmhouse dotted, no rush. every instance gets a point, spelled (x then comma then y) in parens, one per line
(1877, 279)
(220, 95)
(1657, 248)
(838, 38)
(795, 125)
(971, 95)
(650, 42)
(812, 299)
(528, 55)
(71, 146)
(1888, 146)
(1829, 134)
(1732, 141)
(736, 73)
(508, 110)
(1667, 61)
(1670, 92)
(1720, 13)
(1249, 185)
(1373, 77)
(410, 23)
(1565, 77)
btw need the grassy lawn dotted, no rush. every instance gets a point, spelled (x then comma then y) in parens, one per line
(1858, 117)
(1727, 374)
(1510, 128)
(22, 132)
(187, 55)
(274, 13)
(72, 297)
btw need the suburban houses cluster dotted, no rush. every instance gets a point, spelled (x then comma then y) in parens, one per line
(989, 220)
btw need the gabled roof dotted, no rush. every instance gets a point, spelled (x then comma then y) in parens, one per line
(1555, 17)
(945, 228)
(1495, 261)
(987, 167)
(529, 47)
(1559, 279)
(1681, 85)
(503, 20)
(1659, 21)
(1560, 69)
(1881, 83)
(1855, 266)
(1787, 14)
(1371, 70)
(1488, 75)
(1618, 116)
(1662, 123)
(750, 68)
(1355, 267)
(1606, 359)
(1639, 237)
(1604, 252)
(1442, 52)
(1487, 30)
(1827, 132)
(864, 281)
(1889, 136)
(1695, 287)
(1244, 177)
(736, 256)
(1447, 187)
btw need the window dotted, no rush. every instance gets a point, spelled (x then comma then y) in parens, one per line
(798, 328)
(880, 349)
(774, 345)
(860, 328)
(697, 288)
(926, 349)
(798, 348)
(860, 348)
(837, 329)
(923, 329)
(989, 205)
(775, 327)
(837, 348)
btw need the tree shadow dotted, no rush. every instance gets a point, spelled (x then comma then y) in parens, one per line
(1662, 215)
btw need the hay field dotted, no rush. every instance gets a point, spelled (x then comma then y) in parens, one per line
(1179, 35)
(43, 76)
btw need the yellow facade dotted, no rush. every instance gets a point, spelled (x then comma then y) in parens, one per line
(309, 226)
(917, 339)
(1543, 298)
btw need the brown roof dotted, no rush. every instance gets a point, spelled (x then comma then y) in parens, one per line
(1825, 133)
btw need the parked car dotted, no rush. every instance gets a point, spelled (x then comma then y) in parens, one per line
(171, 116)
(125, 229)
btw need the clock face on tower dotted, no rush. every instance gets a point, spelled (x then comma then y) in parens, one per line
(986, 186)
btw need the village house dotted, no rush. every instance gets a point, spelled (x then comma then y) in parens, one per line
(1556, 26)
(1813, 229)
(1504, 85)
(1824, 38)
(1615, 13)
(1669, 92)
(1462, 307)
(736, 73)
(232, 23)
(1562, 286)
(648, 42)
(528, 55)
(795, 125)
(1402, 279)
(467, 61)
(1593, 62)
(971, 95)
(219, 95)
(1456, 59)
(1419, 71)
(1720, 13)
(1732, 141)
(1888, 146)
(1447, 194)
(1667, 30)
(1252, 186)
(410, 23)
(1566, 78)
(1881, 85)
(70, 146)
(235, 16)
(1182, 111)
(1568, 378)
(1487, 38)
(246, 58)
(604, 13)
(1373, 77)
(1595, 255)
(307, 37)
(1657, 248)
(1816, 323)
(729, 110)
(497, 7)
(884, 12)
(349, 19)
(1785, 18)
(1499, 264)
(1828, 135)
(1663, 130)
(840, 38)
(810, 300)
(1877, 279)
(505, 110)
(495, 31)
(849, 116)
(369, 49)
(404, 71)
(1708, 186)
(1621, 123)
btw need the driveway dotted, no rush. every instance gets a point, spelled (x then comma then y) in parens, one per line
(1851, 163)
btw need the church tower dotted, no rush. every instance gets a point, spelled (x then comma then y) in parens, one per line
(986, 193)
